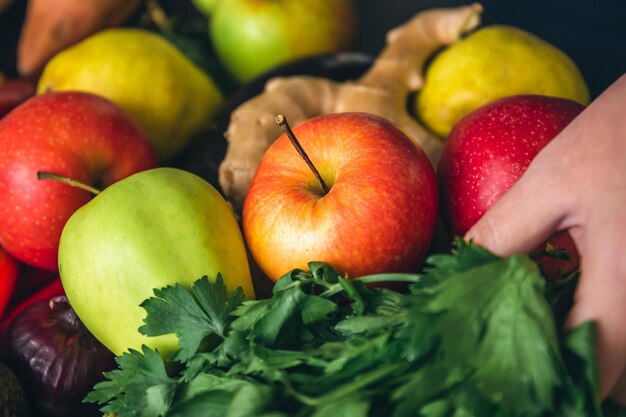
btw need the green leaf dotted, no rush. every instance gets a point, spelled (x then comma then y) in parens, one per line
(353, 406)
(251, 401)
(368, 324)
(191, 316)
(216, 303)
(140, 387)
(205, 382)
(324, 272)
(465, 256)
(423, 386)
(282, 321)
(214, 403)
(492, 317)
(583, 384)
(316, 310)
(475, 337)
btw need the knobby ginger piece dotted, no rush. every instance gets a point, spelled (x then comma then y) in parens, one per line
(382, 90)
(53, 25)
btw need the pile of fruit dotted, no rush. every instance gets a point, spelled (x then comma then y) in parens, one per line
(141, 216)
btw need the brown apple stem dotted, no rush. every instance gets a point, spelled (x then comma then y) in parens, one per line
(41, 175)
(284, 125)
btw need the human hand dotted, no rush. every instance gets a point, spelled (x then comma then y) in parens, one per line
(584, 169)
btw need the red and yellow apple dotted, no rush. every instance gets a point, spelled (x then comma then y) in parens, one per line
(378, 216)
(489, 149)
(77, 135)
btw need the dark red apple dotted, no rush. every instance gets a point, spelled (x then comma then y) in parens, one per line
(489, 149)
(378, 215)
(77, 135)
(9, 269)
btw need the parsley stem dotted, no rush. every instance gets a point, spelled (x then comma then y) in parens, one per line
(308, 280)
(399, 277)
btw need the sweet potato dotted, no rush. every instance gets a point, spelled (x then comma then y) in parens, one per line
(4, 4)
(52, 25)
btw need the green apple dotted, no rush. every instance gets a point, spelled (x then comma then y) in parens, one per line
(152, 229)
(253, 36)
(204, 6)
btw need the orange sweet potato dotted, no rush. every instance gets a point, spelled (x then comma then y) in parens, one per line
(52, 25)
(4, 4)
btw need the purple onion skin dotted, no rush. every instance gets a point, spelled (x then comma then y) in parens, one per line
(55, 358)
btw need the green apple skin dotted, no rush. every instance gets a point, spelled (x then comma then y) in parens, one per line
(150, 230)
(205, 6)
(253, 36)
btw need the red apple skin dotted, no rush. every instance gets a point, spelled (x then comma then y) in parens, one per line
(9, 269)
(78, 135)
(379, 215)
(489, 149)
(47, 292)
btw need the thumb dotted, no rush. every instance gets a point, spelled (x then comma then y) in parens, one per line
(526, 215)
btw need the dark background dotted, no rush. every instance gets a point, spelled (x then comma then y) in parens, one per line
(591, 32)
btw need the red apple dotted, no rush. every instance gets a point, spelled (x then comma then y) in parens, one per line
(78, 135)
(30, 280)
(380, 212)
(52, 289)
(489, 149)
(8, 275)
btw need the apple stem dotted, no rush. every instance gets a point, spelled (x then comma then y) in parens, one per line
(41, 175)
(284, 125)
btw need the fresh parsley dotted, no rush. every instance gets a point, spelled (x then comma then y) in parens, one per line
(475, 336)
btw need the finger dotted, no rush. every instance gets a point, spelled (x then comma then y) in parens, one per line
(532, 210)
(601, 296)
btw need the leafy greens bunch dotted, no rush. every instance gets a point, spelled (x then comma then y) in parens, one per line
(474, 337)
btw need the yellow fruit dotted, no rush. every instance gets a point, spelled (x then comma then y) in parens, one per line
(494, 62)
(159, 87)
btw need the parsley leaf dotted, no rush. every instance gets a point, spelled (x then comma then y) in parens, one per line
(141, 387)
(191, 316)
(475, 336)
(484, 314)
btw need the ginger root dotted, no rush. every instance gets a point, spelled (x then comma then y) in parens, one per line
(382, 90)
